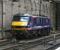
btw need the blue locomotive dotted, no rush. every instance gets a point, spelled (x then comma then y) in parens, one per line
(28, 27)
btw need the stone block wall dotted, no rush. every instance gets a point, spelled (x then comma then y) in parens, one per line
(33, 7)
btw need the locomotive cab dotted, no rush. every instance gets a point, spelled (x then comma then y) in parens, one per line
(20, 22)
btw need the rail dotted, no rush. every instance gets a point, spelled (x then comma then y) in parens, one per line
(31, 43)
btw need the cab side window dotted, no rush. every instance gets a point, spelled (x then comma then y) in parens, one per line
(16, 18)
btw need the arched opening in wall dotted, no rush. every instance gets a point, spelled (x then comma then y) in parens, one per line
(57, 16)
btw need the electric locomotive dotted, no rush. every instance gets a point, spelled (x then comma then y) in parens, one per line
(29, 27)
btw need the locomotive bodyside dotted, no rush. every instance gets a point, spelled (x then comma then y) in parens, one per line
(27, 27)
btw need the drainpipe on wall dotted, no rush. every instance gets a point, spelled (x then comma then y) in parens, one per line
(2, 20)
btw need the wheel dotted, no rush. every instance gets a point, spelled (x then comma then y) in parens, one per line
(39, 33)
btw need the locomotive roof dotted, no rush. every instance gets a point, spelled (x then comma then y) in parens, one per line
(31, 16)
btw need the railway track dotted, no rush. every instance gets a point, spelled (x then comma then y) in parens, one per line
(24, 45)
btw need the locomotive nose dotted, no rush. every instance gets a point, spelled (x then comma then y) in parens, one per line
(18, 23)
